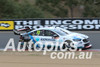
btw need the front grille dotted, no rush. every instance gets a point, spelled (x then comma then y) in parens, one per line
(85, 40)
(86, 44)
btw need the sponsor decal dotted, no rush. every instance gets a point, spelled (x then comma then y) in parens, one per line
(47, 39)
(38, 32)
(6, 25)
(37, 39)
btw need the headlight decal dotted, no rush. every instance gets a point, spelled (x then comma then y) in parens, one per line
(76, 39)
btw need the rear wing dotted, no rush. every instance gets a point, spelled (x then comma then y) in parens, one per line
(18, 32)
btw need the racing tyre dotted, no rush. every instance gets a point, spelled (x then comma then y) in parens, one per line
(67, 45)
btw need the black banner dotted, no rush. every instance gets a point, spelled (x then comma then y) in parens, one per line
(69, 24)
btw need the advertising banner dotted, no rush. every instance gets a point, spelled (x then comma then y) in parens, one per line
(69, 24)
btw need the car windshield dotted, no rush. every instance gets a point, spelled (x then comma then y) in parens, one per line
(60, 32)
(66, 31)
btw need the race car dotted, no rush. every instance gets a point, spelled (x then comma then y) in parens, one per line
(52, 34)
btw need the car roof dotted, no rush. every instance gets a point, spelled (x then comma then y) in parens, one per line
(46, 28)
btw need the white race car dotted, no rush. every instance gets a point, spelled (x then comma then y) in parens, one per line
(51, 34)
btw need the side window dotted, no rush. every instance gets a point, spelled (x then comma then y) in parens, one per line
(48, 33)
(38, 33)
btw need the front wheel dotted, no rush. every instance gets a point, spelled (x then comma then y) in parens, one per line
(67, 44)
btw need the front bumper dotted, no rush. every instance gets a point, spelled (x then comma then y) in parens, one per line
(84, 46)
(88, 45)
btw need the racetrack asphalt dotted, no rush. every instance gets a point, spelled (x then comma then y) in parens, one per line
(5, 36)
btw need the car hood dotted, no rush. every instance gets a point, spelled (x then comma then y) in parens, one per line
(77, 35)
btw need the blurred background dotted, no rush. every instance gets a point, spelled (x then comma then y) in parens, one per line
(18, 9)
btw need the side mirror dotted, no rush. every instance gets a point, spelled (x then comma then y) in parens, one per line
(55, 36)
(16, 32)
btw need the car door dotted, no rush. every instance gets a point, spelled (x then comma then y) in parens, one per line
(48, 36)
(38, 35)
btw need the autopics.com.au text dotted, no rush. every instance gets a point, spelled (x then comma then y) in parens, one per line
(61, 53)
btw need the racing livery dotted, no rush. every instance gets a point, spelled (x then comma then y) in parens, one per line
(51, 34)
